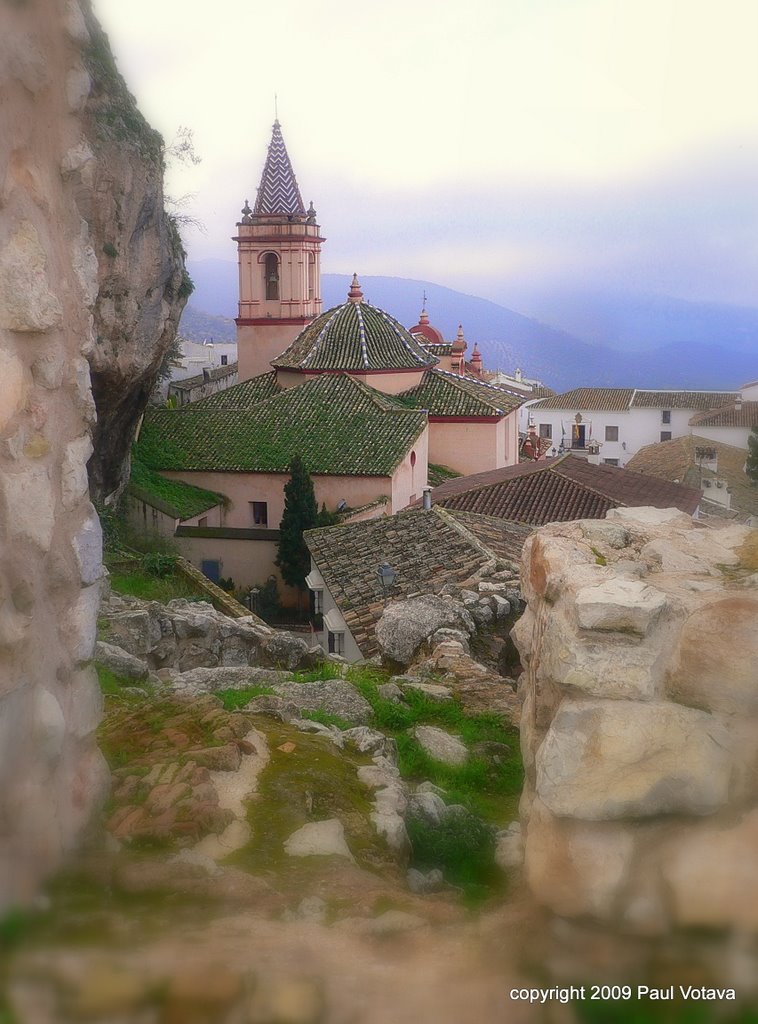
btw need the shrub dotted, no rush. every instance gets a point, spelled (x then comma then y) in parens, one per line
(463, 846)
(158, 564)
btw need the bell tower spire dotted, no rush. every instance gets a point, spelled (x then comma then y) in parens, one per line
(279, 247)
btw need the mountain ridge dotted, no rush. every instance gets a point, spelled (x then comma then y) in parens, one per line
(509, 339)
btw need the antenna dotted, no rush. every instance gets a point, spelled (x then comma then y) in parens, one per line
(424, 302)
(276, 107)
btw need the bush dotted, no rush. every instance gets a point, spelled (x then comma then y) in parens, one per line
(463, 846)
(158, 564)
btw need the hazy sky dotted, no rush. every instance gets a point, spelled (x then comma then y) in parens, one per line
(503, 147)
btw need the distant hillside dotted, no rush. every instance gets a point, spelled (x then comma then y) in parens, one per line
(199, 326)
(508, 339)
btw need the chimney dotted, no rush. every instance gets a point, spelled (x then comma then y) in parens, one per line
(427, 498)
(738, 403)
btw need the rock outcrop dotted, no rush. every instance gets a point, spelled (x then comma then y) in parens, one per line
(51, 772)
(639, 725)
(134, 260)
(183, 638)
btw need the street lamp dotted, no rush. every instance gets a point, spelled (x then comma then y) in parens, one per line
(387, 577)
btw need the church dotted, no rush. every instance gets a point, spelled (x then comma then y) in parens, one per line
(368, 404)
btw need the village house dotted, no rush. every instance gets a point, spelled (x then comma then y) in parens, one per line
(717, 470)
(731, 423)
(617, 422)
(203, 385)
(426, 550)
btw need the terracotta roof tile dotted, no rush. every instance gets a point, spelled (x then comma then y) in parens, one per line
(422, 546)
(729, 416)
(589, 400)
(680, 399)
(556, 490)
(677, 460)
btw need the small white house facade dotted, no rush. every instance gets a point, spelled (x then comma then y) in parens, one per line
(614, 423)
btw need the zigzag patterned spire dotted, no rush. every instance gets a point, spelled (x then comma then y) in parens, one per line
(278, 192)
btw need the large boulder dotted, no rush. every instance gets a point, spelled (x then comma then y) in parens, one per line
(332, 696)
(120, 662)
(440, 745)
(625, 759)
(405, 626)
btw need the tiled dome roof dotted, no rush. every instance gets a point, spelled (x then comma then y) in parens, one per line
(430, 334)
(355, 336)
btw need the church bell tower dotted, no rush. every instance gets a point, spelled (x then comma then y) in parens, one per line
(279, 252)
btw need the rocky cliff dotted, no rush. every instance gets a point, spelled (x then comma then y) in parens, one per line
(639, 732)
(116, 174)
(51, 772)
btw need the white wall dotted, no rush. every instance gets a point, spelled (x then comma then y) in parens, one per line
(636, 428)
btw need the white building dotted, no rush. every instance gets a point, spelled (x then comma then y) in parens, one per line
(619, 421)
(732, 423)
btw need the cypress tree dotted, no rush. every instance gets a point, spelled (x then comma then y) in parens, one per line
(300, 513)
(751, 466)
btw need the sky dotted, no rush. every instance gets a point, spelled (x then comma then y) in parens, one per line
(507, 148)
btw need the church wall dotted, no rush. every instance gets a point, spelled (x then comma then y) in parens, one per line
(511, 439)
(391, 383)
(257, 345)
(242, 488)
(410, 477)
(469, 447)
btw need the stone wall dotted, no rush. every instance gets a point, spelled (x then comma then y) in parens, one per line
(639, 732)
(51, 772)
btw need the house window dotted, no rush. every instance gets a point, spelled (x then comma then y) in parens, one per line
(611, 433)
(259, 513)
(224, 360)
(546, 430)
(665, 435)
(271, 276)
(666, 416)
(211, 567)
(611, 462)
(336, 643)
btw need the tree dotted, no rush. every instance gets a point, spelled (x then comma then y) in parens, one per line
(751, 466)
(325, 517)
(300, 513)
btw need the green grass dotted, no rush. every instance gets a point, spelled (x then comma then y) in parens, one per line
(137, 583)
(645, 1011)
(463, 846)
(110, 683)
(326, 670)
(233, 700)
(324, 718)
(488, 790)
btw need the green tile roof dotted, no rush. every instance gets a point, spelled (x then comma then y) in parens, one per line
(245, 395)
(355, 336)
(443, 393)
(336, 424)
(174, 497)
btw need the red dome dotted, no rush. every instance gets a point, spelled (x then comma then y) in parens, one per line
(431, 335)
